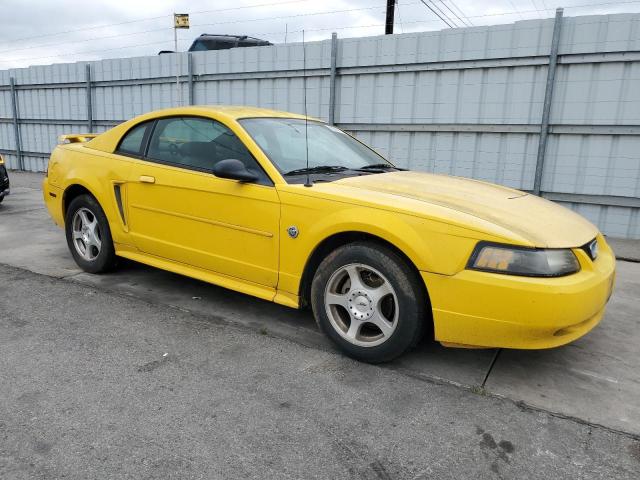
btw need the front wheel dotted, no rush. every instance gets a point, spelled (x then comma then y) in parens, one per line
(367, 299)
(89, 236)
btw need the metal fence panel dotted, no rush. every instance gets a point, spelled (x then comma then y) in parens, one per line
(595, 165)
(616, 221)
(601, 33)
(463, 101)
(508, 159)
(7, 138)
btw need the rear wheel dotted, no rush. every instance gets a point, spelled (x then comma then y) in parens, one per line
(89, 236)
(367, 299)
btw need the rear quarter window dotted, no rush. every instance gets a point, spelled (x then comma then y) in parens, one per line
(131, 143)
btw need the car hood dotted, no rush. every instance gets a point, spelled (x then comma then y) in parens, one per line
(541, 222)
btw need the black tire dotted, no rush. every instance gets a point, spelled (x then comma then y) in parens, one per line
(413, 316)
(106, 258)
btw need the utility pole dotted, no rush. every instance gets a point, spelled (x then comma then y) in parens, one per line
(180, 20)
(391, 9)
(177, 55)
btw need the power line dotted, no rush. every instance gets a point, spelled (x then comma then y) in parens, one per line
(516, 9)
(85, 29)
(318, 29)
(601, 4)
(541, 14)
(120, 35)
(349, 27)
(271, 4)
(454, 13)
(455, 5)
(584, 5)
(297, 15)
(436, 13)
(84, 52)
(488, 15)
(399, 18)
(517, 12)
(332, 28)
(449, 19)
(546, 9)
(146, 19)
(328, 12)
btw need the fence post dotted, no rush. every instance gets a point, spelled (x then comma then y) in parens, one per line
(190, 77)
(546, 108)
(16, 124)
(332, 78)
(89, 101)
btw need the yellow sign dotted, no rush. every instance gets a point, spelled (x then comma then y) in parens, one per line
(181, 20)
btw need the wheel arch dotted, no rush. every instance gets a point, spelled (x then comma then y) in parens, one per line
(340, 239)
(71, 192)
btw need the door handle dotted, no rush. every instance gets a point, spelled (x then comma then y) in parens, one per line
(147, 179)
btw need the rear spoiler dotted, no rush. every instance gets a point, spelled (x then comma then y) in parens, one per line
(76, 138)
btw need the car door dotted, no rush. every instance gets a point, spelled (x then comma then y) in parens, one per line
(180, 211)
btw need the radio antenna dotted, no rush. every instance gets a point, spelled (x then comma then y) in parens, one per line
(306, 120)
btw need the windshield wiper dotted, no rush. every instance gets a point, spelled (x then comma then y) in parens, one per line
(318, 169)
(379, 166)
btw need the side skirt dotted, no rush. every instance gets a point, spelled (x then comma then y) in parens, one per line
(238, 285)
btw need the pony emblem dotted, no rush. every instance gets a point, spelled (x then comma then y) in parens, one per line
(293, 231)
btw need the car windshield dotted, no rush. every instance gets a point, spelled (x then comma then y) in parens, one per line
(283, 140)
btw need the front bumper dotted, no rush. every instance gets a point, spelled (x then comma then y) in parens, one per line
(4, 182)
(482, 309)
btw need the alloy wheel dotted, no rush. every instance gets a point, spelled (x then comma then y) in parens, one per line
(87, 238)
(361, 304)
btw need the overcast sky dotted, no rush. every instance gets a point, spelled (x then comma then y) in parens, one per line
(37, 32)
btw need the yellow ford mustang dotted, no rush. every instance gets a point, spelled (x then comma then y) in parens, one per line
(298, 212)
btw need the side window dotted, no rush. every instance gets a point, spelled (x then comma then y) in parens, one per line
(186, 141)
(131, 143)
(198, 46)
(198, 143)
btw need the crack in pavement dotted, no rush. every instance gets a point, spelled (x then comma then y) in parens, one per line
(490, 369)
(518, 403)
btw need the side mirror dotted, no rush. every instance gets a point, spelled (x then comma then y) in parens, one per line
(233, 169)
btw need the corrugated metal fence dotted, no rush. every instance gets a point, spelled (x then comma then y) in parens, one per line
(494, 103)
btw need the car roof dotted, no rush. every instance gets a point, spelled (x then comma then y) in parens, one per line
(224, 36)
(232, 112)
(108, 140)
(239, 111)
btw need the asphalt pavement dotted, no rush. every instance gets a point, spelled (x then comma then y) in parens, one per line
(145, 374)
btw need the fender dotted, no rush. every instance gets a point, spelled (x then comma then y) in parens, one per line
(407, 233)
(393, 228)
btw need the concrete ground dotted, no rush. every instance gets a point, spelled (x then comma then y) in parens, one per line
(146, 374)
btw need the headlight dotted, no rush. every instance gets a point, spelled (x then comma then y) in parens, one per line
(529, 262)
